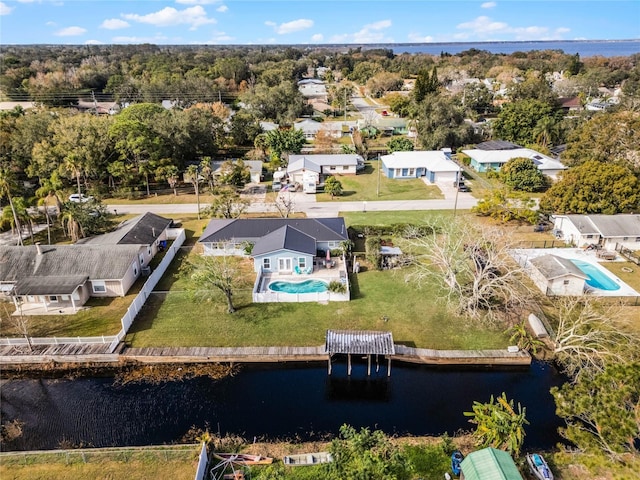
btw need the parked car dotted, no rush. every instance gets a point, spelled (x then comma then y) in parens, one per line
(463, 188)
(80, 198)
(385, 113)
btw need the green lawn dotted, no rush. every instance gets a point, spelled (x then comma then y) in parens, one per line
(399, 216)
(364, 186)
(416, 318)
(174, 462)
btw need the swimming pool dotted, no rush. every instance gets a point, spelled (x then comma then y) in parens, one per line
(307, 286)
(597, 278)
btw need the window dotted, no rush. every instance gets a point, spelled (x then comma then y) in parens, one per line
(302, 262)
(589, 236)
(566, 282)
(149, 251)
(332, 244)
(53, 298)
(637, 239)
(99, 286)
(332, 168)
(266, 263)
(135, 270)
(141, 257)
(411, 172)
(346, 167)
(624, 239)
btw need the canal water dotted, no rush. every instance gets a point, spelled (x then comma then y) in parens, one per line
(273, 402)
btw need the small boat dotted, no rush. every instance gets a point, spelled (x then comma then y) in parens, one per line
(539, 467)
(244, 458)
(456, 460)
(302, 459)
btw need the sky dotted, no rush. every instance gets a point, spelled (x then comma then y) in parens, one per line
(313, 21)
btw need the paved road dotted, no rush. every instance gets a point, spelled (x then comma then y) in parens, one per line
(304, 203)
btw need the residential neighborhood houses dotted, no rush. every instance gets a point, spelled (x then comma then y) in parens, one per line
(366, 223)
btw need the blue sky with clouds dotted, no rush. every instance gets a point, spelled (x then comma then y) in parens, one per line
(313, 21)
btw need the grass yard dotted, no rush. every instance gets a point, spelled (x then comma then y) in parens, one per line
(176, 463)
(399, 216)
(101, 318)
(364, 186)
(416, 318)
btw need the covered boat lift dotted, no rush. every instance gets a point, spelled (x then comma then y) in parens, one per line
(359, 342)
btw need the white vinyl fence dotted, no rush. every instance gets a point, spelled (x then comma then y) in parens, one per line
(203, 461)
(178, 235)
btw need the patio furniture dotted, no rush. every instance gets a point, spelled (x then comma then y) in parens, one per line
(297, 270)
(309, 270)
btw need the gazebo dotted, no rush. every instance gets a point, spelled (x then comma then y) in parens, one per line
(359, 342)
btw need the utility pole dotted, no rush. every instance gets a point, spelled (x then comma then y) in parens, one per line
(378, 187)
(345, 104)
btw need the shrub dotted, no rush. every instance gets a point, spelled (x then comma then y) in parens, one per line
(337, 287)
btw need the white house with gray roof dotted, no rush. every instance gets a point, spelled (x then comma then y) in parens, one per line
(435, 165)
(56, 276)
(486, 160)
(607, 231)
(280, 245)
(556, 275)
(320, 166)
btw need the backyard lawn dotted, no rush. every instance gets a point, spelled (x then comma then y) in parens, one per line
(364, 186)
(416, 318)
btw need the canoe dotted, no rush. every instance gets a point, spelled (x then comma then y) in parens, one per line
(539, 467)
(244, 458)
(456, 460)
(303, 459)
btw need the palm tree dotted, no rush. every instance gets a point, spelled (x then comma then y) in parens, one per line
(71, 222)
(498, 424)
(7, 183)
(193, 174)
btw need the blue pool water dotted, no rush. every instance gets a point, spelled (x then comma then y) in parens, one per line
(307, 286)
(597, 279)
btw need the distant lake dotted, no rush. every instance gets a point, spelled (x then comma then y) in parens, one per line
(612, 48)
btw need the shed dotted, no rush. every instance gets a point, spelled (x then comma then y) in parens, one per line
(359, 342)
(489, 464)
(555, 275)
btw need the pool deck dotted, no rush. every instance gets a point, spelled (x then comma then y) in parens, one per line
(589, 256)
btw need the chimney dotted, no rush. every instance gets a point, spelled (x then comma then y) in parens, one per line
(153, 231)
(38, 248)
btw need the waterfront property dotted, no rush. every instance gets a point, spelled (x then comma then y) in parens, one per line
(284, 250)
(606, 231)
(435, 166)
(571, 271)
(59, 279)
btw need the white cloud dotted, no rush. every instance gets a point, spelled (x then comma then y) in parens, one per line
(222, 8)
(484, 28)
(290, 27)
(217, 38)
(51, 24)
(71, 32)
(169, 17)
(114, 24)
(416, 37)
(488, 5)
(370, 33)
(5, 9)
(93, 42)
(318, 37)
(197, 2)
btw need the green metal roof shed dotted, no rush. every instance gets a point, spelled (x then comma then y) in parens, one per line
(489, 464)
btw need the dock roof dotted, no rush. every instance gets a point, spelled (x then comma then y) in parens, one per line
(360, 342)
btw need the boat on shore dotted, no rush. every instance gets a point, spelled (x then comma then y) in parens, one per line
(244, 458)
(304, 459)
(456, 460)
(539, 467)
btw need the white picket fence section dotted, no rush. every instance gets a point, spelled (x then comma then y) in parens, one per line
(203, 461)
(178, 236)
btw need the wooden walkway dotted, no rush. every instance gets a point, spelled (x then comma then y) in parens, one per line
(98, 353)
(224, 354)
(63, 353)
